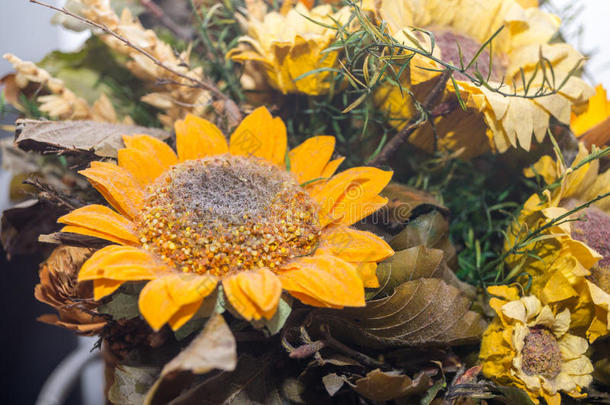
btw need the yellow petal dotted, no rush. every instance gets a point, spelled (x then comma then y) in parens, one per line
(117, 186)
(344, 195)
(174, 297)
(353, 245)
(124, 263)
(254, 294)
(368, 273)
(331, 167)
(197, 138)
(153, 147)
(141, 166)
(103, 287)
(309, 159)
(103, 222)
(260, 135)
(327, 280)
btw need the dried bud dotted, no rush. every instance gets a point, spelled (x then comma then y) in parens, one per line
(59, 288)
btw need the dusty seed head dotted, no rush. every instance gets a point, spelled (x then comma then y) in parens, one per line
(541, 354)
(594, 230)
(448, 40)
(227, 213)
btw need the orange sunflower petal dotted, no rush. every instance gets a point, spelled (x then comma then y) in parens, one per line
(353, 245)
(261, 135)
(329, 170)
(140, 164)
(331, 167)
(254, 294)
(153, 147)
(364, 209)
(96, 234)
(368, 274)
(342, 197)
(309, 159)
(184, 314)
(174, 297)
(117, 186)
(197, 138)
(102, 222)
(124, 263)
(103, 287)
(326, 279)
(155, 303)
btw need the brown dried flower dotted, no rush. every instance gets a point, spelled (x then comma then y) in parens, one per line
(59, 288)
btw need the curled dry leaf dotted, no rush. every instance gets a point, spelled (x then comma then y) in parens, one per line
(380, 385)
(102, 139)
(21, 225)
(404, 202)
(430, 230)
(213, 349)
(252, 382)
(420, 313)
(59, 288)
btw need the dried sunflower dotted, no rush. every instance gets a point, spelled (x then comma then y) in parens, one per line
(231, 213)
(528, 346)
(286, 46)
(572, 264)
(492, 120)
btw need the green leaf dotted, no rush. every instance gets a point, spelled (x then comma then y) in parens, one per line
(122, 306)
(275, 324)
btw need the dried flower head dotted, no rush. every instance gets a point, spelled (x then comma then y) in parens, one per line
(231, 213)
(528, 346)
(288, 45)
(491, 120)
(60, 289)
(570, 269)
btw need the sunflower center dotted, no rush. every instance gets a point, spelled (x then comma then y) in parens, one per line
(452, 44)
(227, 213)
(541, 354)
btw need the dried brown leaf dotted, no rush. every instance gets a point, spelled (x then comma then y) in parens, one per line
(420, 313)
(415, 263)
(213, 349)
(252, 382)
(430, 230)
(380, 385)
(100, 138)
(21, 225)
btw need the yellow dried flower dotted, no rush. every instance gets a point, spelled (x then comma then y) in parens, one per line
(288, 45)
(572, 264)
(492, 121)
(527, 346)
